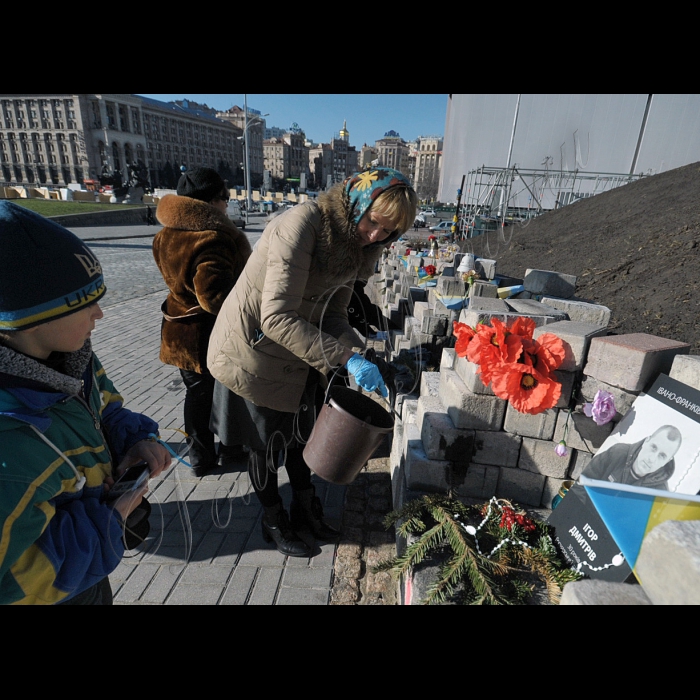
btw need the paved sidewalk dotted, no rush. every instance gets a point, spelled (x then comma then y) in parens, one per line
(206, 545)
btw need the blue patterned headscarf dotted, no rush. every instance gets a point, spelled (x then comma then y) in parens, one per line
(363, 188)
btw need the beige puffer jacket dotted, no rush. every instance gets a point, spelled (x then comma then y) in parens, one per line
(297, 281)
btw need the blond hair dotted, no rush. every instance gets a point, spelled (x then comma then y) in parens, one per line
(398, 204)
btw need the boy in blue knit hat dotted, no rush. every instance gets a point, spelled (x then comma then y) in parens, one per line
(64, 434)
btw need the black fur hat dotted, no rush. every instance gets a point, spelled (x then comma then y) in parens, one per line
(201, 183)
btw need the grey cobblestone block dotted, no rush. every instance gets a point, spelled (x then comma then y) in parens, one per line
(582, 433)
(239, 586)
(540, 426)
(409, 410)
(467, 371)
(472, 317)
(479, 481)
(266, 586)
(307, 577)
(488, 305)
(581, 311)
(531, 307)
(429, 383)
(410, 326)
(434, 325)
(668, 564)
(450, 286)
(497, 448)
(467, 409)
(195, 595)
(520, 485)
(419, 339)
(686, 369)
(577, 338)
(579, 461)
(447, 359)
(440, 439)
(539, 457)
(597, 592)
(303, 596)
(421, 472)
(550, 283)
(632, 361)
(420, 309)
(480, 288)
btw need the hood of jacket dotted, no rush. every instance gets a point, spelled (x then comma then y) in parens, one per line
(28, 387)
(187, 214)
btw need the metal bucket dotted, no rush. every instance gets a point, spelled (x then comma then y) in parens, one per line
(348, 430)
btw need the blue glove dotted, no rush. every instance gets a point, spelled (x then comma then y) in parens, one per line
(366, 374)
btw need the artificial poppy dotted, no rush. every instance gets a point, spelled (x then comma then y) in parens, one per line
(544, 354)
(523, 326)
(464, 334)
(492, 346)
(526, 389)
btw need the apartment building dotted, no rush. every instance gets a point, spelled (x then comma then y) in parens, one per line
(59, 139)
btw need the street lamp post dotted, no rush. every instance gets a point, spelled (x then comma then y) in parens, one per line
(247, 125)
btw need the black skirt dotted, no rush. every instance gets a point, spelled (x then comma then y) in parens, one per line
(237, 421)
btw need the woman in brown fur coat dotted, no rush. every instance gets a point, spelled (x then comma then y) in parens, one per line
(200, 254)
(286, 322)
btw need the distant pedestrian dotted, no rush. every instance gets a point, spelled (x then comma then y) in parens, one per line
(200, 254)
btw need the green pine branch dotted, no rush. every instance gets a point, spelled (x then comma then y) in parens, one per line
(434, 526)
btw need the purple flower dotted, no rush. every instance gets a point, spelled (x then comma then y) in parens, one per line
(561, 450)
(602, 410)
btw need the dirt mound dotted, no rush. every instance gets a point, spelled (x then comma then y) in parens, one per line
(633, 249)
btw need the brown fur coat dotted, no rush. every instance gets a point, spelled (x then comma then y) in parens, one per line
(200, 254)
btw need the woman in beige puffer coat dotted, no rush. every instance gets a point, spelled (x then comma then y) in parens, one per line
(285, 323)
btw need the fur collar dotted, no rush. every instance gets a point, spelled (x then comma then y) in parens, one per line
(339, 250)
(187, 214)
(20, 366)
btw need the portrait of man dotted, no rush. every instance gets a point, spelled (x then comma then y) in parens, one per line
(648, 463)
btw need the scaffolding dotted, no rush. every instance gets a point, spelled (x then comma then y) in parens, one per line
(495, 198)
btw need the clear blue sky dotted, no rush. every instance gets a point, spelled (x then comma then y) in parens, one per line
(321, 117)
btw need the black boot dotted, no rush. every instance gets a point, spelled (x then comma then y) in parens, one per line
(276, 528)
(307, 513)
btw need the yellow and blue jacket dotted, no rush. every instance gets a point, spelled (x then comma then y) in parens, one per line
(61, 430)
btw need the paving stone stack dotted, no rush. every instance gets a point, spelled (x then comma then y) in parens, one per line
(454, 435)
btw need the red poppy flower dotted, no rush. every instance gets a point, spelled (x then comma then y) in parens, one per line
(544, 354)
(523, 326)
(526, 389)
(492, 346)
(464, 334)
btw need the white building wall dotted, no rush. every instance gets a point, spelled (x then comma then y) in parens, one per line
(586, 132)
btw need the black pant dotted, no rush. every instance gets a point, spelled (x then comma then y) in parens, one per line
(264, 476)
(197, 411)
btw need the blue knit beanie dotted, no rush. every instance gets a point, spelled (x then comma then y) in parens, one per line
(46, 271)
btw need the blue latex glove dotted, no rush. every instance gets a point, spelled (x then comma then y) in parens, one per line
(366, 374)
